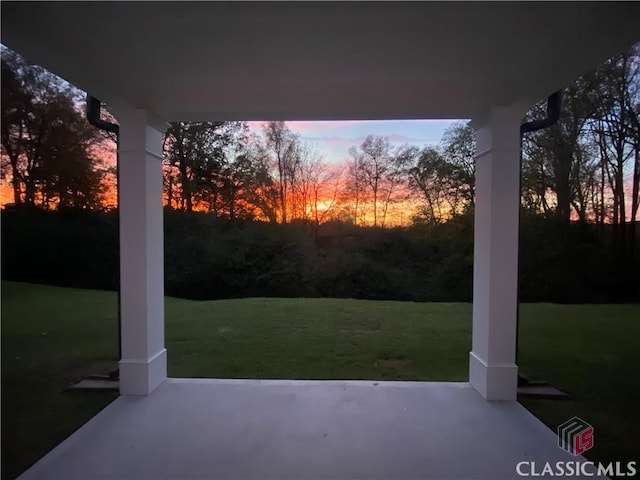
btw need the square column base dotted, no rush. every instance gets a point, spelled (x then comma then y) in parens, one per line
(140, 377)
(494, 382)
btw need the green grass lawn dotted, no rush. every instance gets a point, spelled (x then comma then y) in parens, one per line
(52, 337)
(593, 353)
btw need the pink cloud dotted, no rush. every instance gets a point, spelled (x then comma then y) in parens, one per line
(395, 139)
(311, 127)
(336, 140)
(406, 139)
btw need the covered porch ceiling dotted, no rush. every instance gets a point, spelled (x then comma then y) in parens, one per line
(319, 60)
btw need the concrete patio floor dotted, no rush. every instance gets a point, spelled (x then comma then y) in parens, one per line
(206, 429)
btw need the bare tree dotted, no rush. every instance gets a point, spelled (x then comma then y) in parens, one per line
(284, 145)
(428, 178)
(354, 191)
(318, 186)
(617, 132)
(396, 178)
(373, 161)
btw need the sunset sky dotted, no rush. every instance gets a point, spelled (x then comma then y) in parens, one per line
(334, 138)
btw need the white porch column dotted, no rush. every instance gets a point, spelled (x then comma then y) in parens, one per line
(492, 368)
(143, 365)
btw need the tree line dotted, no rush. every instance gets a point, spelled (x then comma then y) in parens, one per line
(586, 167)
(219, 167)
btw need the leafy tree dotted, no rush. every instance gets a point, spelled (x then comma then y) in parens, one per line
(195, 155)
(14, 103)
(428, 177)
(46, 141)
(458, 148)
(237, 178)
(246, 189)
(260, 191)
(444, 177)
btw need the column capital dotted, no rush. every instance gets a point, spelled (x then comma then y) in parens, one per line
(126, 113)
(499, 113)
(140, 131)
(157, 122)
